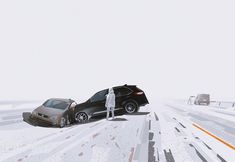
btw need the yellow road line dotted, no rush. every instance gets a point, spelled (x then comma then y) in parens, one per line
(214, 136)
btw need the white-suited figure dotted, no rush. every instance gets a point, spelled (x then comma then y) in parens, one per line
(110, 103)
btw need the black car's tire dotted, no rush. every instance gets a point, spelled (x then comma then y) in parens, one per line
(130, 107)
(63, 122)
(81, 117)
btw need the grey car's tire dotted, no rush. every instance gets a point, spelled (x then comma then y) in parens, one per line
(81, 117)
(130, 107)
(62, 122)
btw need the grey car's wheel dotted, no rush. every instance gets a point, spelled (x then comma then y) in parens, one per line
(81, 117)
(62, 122)
(130, 107)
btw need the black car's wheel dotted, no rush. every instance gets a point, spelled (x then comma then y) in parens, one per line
(81, 117)
(130, 107)
(62, 122)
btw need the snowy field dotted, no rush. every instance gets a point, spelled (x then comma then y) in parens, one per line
(164, 131)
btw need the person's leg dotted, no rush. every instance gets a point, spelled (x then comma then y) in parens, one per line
(107, 116)
(113, 112)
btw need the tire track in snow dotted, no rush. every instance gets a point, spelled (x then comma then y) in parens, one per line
(25, 151)
(85, 135)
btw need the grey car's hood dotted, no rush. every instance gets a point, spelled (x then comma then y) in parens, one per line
(49, 111)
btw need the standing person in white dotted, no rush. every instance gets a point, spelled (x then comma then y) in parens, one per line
(110, 103)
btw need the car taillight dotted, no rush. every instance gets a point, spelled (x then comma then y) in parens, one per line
(139, 93)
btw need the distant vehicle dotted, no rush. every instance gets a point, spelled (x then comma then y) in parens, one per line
(128, 100)
(202, 99)
(58, 112)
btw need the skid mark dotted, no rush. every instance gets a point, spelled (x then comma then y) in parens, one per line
(156, 117)
(182, 125)
(41, 138)
(137, 131)
(207, 145)
(177, 129)
(168, 155)
(67, 137)
(151, 135)
(158, 158)
(117, 145)
(151, 157)
(95, 135)
(222, 159)
(198, 153)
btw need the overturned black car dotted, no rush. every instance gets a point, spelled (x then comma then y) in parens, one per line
(128, 100)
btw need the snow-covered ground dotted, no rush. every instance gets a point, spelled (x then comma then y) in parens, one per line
(164, 131)
(116, 140)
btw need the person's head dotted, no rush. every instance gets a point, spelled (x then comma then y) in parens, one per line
(111, 90)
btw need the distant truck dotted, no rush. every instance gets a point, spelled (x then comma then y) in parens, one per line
(202, 99)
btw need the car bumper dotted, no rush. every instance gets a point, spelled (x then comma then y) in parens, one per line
(42, 119)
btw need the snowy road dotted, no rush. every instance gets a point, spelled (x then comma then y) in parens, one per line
(194, 133)
(163, 131)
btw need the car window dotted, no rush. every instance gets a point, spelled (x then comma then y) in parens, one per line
(122, 92)
(57, 104)
(99, 96)
(203, 96)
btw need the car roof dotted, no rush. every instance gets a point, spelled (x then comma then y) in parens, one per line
(63, 99)
(129, 86)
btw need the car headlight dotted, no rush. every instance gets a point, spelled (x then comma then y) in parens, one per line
(34, 113)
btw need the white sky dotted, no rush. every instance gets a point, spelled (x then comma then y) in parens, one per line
(71, 49)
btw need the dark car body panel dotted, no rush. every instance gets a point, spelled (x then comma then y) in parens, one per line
(123, 94)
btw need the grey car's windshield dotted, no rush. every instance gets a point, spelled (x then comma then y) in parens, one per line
(57, 104)
(203, 96)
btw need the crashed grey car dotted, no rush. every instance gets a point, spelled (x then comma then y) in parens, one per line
(58, 112)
